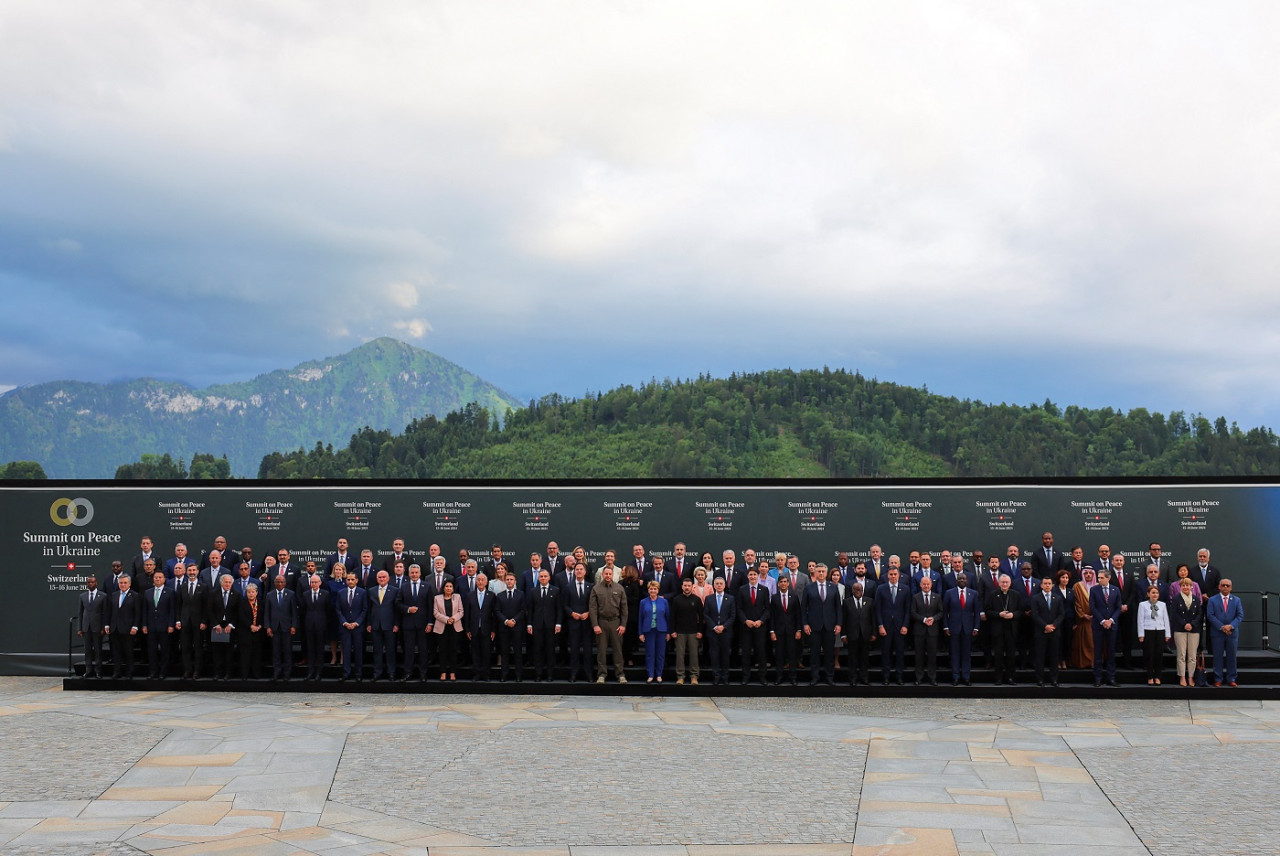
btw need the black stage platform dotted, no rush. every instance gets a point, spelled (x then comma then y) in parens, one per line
(1259, 679)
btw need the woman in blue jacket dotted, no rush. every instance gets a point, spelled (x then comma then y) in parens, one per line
(653, 629)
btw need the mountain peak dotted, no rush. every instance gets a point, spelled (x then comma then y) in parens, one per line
(85, 430)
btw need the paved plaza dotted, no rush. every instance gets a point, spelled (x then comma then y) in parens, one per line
(179, 773)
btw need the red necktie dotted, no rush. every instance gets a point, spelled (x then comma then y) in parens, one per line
(753, 597)
(962, 598)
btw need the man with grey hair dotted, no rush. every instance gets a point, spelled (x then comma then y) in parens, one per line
(413, 605)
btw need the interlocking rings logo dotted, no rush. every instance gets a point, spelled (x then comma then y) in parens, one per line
(71, 512)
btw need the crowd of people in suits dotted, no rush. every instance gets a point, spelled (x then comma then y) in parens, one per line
(227, 614)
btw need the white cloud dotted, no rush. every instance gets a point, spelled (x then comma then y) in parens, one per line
(1093, 173)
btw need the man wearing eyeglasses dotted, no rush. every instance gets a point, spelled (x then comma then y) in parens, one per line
(1225, 614)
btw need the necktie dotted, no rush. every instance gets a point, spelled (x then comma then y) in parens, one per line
(191, 589)
(1028, 585)
(1224, 605)
(279, 597)
(314, 597)
(122, 598)
(351, 596)
(225, 598)
(579, 589)
(157, 597)
(415, 590)
(926, 600)
(91, 596)
(544, 591)
(381, 592)
(962, 598)
(753, 597)
(822, 592)
(439, 582)
(784, 602)
(719, 602)
(480, 600)
(893, 592)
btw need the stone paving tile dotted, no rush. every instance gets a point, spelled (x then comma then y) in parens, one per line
(984, 786)
(73, 762)
(1228, 809)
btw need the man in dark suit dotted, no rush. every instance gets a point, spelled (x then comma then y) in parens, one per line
(111, 582)
(529, 577)
(437, 577)
(352, 606)
(381, 623)
(858, 627)
(1025, 586)
(1076, 564)
(1155, 556)
(230, 558)
(720, 614)
(180, 557)
(543, 619)
(1003, 609)
(553, 561)
(961, 614)
(255, 567)
(1205, 575)
(893, 616)
(1048, 613)
(282, 625)
(877, 567)
(122, 621)
(414, 605)
(92, 609)
(313, 607)
(137, 568)
(1137, 593)
(785, 625)
(222, 610)
(753, 620)
(193, 622)
(480, 618)
(288, 570)
(820, 614)
(160, 612)
(1105, 605)
(926, 621)
(576, 598)
(1012, 562)
(1046, 559)
(397, 554)
(285, 565)
(656, 569)
(214, 570)
(511, 629)
(1126, 579)
(926, 570)
(342, 556)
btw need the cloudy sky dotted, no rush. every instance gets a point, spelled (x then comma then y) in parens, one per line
(1012, 202)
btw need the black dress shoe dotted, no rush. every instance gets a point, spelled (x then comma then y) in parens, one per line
(968, 683)
(1097, 684)
(955, 683)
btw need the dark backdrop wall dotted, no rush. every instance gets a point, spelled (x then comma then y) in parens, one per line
(55, 533)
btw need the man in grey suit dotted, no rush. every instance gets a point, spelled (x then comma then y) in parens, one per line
(92, 602)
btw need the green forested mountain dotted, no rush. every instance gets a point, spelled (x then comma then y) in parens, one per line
(809, 424)
(86, 430)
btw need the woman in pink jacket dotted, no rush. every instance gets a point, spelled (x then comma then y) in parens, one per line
(448, 613)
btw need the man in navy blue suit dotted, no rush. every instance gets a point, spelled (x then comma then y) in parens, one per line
(282, 626)
(160, 611)
(1224, 614)
(576, 598)
(720, 614)
(352, 605)
(122, 620)
(480, 618)
(961, 613)
(414, 608)
(1048, 613)
(382, 624)
(1105, 604)
(820, 615)
(893, 616)
(314, 606)
(511, 624)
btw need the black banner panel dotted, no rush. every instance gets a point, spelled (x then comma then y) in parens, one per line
(57, 533)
